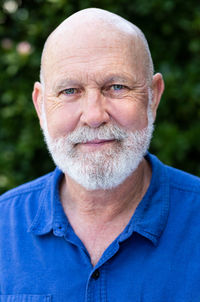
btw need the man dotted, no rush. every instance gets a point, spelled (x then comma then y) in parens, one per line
(111, 223)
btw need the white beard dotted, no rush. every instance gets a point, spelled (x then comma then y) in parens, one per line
(103, 169)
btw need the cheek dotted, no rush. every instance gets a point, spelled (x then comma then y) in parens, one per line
(130, 116)
(62, 120)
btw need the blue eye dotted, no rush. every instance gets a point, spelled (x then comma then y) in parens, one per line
(118, 87)
(70, 91)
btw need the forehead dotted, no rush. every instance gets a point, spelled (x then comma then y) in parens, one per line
(91, 54)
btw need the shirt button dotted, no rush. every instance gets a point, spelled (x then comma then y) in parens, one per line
(96, 274)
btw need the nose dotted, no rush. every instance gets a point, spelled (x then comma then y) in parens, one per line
(94, 112)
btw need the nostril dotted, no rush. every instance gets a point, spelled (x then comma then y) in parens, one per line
(94, 117)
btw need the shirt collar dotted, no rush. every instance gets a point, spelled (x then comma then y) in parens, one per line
(149, 219)
(50, 214)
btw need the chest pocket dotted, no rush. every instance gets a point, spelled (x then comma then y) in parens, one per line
(25, 298)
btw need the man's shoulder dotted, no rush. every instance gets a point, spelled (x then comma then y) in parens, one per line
(179, 190)
(182, 180)
(175, 178)
(31, 187)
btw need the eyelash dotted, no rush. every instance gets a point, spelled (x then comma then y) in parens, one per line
(64, 91)
(109, 88)
(119, 85)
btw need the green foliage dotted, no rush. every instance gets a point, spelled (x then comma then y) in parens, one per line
(172, 28)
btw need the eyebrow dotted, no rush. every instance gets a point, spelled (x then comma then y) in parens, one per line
(116, 79)
(59, 85)
(109, 79)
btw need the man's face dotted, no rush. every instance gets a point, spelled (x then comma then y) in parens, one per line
(94, 80)
(95, 113)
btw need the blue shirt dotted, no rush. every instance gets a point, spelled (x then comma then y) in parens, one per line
(156, 258)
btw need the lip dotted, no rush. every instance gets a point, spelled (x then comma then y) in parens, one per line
(99, 141)
(96, 144)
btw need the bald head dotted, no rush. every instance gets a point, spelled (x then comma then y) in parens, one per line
(90, 27)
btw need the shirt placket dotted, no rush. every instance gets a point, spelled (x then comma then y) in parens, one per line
(96, 285)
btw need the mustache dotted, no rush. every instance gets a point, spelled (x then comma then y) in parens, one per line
(104, 132)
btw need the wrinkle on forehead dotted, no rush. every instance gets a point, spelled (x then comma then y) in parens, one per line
(88, 28)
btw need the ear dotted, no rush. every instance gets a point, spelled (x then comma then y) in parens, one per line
(157, 89)
(37, 97)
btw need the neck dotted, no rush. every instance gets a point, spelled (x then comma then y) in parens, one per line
(99, 216)
(105, 205)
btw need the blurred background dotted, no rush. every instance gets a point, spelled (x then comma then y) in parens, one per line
(172, 28)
